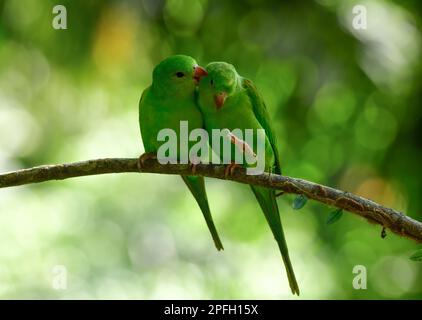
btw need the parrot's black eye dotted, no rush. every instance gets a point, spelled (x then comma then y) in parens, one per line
(180, 74)
(212, 82)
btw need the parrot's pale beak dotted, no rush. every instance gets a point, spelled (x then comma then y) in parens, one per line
(198, 73)
(219, 99)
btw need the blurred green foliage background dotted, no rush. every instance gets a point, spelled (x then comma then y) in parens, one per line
(346, 106)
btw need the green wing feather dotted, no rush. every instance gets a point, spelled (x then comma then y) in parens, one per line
(268, 203)
(196, 186)
(261, 114)
(266, 197)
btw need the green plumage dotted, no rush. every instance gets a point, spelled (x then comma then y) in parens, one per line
(243, 109)
(169, 100)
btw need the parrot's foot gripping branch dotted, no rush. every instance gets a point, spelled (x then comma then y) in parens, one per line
(143, 157)
(229, 171)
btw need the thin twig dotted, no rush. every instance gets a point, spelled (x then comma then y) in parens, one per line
(394, 220)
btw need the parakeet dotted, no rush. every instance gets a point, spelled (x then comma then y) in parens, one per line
(169, 100)
(229, 101)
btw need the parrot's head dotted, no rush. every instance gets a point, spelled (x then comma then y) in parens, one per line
(221, 82)
(177, 75)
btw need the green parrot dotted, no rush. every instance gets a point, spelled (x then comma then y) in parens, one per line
(169, 100)
(229, 101)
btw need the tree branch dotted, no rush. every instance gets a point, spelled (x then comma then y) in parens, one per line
(373, 212)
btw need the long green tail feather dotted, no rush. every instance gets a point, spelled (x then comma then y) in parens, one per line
(267, 200)
(196, 186)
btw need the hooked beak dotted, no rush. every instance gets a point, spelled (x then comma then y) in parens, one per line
(198, 73)
(219, 99)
